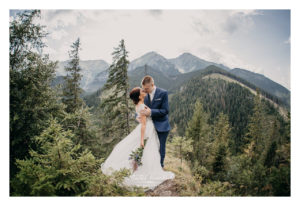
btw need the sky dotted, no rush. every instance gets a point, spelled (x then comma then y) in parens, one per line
(256, 40)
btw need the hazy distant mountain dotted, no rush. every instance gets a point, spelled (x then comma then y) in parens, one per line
(187, 62)
(95, 76)
(155, 61)
(263, 82)
(92, 73)
(98, 81)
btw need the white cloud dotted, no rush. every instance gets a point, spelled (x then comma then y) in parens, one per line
(288, 41)
(58, 34)
(208, 34)
(55, 19)
(167, 31)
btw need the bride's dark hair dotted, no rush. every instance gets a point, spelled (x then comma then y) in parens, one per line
(135, 94)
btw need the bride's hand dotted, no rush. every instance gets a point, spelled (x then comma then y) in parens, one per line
(142, 144)
(146, 111)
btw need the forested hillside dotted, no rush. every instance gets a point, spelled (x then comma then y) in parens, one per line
(172, 84)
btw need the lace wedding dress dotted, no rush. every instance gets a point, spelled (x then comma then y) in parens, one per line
(150, 173)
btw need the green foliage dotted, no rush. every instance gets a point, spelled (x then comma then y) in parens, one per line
(72, 90)
(200, 172)
(216, 96)
(58, 168)
(32, 101)
(102, 185)
(78, 117)
(220, 149)
(219, 161)
(256, 129)
(261, 168)
(137, 154)
(198, 131)
(270, 157)
(280, 179)
(183, 147)
(216, 188)
(25, 37)
(115, 107)
(80, 123)
(240, 173)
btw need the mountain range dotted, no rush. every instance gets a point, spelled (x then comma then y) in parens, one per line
(187, 62)
(167, 73)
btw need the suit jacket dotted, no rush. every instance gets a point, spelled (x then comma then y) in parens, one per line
(159, 109)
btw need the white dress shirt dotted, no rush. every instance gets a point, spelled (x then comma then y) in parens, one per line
(152, 95)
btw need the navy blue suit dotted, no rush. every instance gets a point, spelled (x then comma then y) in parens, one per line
(159, 114)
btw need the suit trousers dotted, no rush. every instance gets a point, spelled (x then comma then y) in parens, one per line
(162, 136)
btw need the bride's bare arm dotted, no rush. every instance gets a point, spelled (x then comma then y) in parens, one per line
(143, 128)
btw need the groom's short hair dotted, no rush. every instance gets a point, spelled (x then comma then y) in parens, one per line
(147, 79)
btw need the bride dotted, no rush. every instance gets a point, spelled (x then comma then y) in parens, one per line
(150, 173)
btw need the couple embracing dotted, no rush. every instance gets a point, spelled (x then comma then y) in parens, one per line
(152, 108)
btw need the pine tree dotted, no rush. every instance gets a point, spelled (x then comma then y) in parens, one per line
(221, 131)
(24, 38)
(59, 168)
(255, 134)
(198, 132)
(78, 115)
(183, 147)
(270, 157)
(32, 100)
(56, 167)
(219, 164)
(220, 150)
(272, 141)
(72, 90)
(256, 149)
(80, 123)
(115, 106)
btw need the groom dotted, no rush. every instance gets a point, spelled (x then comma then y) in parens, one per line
(158, 109)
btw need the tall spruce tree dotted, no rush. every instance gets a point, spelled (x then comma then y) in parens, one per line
(220, 150)
(115, 106)
(32, 101)
(255, 134)
(183, 147)
(78, 117)
(199, 132)
(72, 90)
(257, 147)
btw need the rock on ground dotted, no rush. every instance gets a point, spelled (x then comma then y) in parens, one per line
(167, 188)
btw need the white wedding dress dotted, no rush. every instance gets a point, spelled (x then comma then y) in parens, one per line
(150, 173)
